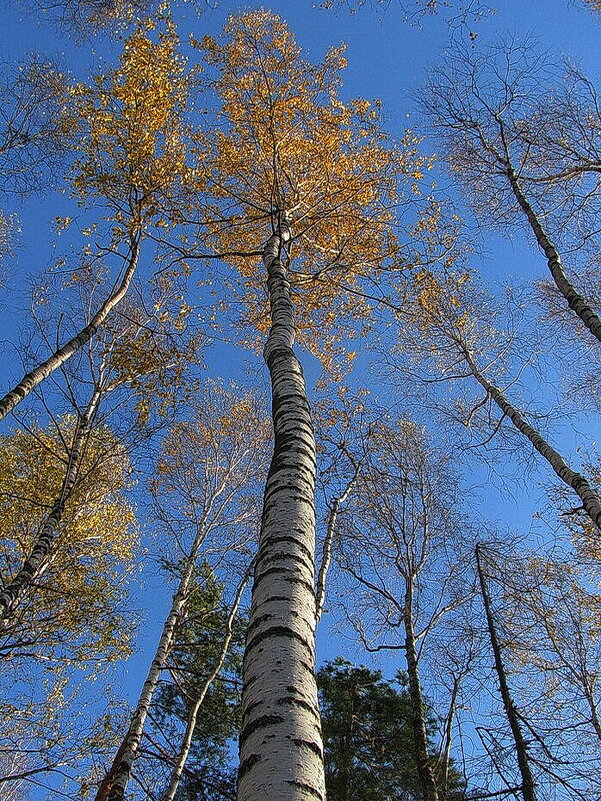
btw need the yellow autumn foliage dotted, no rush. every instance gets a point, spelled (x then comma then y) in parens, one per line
(290, 148)
(133, 140)
(73, 612)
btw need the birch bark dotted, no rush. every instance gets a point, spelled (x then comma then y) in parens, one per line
(31, 380)
(521, 749)
(113, 786)
(589, 497)
(326, 552)
(281, 750)
(575, 301)
(42, 548)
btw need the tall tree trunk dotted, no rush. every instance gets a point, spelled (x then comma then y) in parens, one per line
(521, 748)
(184, 750)
(418, 720)
(31, 380)
(43, 546)
(281, 750)
(575, 301)
(589, 497)
(344, 761)
(113, 786)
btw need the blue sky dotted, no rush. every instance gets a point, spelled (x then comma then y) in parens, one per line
(387, 60)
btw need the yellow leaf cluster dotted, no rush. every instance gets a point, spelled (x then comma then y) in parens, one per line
(151, 353)
(440, 298)
(290, 146)
(77, 595)
(133, 142)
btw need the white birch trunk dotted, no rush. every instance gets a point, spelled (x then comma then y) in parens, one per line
(184, 750)
(34, 563)
(575, 301)
(31, 380)
(326, 551)
(281, 751)
(113, 787)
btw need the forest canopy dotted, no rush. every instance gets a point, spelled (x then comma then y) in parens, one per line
(300, 491)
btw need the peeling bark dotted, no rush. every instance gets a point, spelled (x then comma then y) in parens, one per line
(44, 544)
(31, 380)
(281, 750)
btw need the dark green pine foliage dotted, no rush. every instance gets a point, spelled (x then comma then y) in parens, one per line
(368, 739)
(210, 774)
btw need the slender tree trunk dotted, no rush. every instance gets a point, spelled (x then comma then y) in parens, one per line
(184, 750)
(418, 720)
(575, 301)
(448, 737)
(113, 786)
(521, 748)
(281, 751)
(60, 356)
(589, 497)
(42, 548)
(326, 552)
(345, 756)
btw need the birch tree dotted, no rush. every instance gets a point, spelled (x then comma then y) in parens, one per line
(528, 784)
(195, 714)
(71, 621)
(455, 338)
(206, 469)
(36, 129)
(131, 153)
(308, 183)
(397, 545)
(544, 616)
(500, 133)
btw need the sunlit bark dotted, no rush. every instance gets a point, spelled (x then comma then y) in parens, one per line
(281, 752)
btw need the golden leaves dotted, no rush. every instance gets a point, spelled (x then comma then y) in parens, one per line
(134, 142)
(290, 145)
(77, 592)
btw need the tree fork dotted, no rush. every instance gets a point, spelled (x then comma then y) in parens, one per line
(281, 750)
